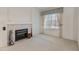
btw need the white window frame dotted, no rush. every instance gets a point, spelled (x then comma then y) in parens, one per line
(51, 26)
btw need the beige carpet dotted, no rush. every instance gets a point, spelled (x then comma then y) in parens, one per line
(42, 43)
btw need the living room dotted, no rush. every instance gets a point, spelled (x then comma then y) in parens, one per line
(32, 20)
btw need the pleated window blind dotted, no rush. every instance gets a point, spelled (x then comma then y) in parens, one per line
(51, 18)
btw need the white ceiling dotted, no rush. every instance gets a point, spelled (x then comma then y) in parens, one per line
(46, 8)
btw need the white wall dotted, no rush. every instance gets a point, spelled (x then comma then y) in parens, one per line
(78, 25)
(25, 16)
(75, 24)
(68, 23)
(35, 21)
(70, 20)
(18, 16)
(3, 22)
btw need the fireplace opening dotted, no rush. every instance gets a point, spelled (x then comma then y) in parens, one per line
(21, 34)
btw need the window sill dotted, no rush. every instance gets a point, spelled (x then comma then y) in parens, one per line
(51, 28)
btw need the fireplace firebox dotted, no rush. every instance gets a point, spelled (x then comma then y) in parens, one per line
(21, 34)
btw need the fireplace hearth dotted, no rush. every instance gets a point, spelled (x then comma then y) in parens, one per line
(21, 34)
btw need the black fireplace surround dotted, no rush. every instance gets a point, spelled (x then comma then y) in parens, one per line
(21, 34)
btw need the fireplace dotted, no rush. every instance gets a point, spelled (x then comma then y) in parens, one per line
(21, 34)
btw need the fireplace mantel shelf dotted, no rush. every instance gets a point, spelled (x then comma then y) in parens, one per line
(21, 23)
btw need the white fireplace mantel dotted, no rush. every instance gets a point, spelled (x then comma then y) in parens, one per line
(14, 27)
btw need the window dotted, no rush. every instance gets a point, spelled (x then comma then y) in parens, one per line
(51, 21)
